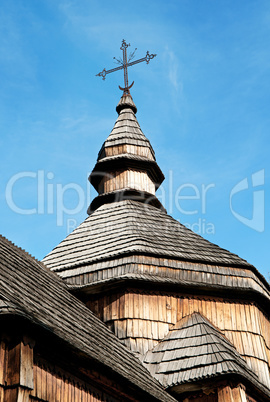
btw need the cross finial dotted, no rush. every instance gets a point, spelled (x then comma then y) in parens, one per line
(124, 64)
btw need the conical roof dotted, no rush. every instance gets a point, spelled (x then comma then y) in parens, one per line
(126, 150)
(195, 350)
(127, 131)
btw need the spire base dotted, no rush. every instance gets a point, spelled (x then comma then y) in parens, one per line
(125, 102)
(125, 194)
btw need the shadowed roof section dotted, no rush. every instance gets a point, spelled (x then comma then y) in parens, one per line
(195, 350)
(30, 290)
(130, 227)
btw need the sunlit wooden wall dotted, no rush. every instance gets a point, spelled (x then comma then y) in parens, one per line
(141, 319)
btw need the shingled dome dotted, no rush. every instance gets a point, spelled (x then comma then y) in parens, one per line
(127, 219)
(126, 161)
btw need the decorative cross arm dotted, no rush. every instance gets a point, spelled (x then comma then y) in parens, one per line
(124, 64)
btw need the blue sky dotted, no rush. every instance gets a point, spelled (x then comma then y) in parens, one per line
(203, 102)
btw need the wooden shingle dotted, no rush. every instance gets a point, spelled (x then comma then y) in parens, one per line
(129, 226)
(126, 129)
(28, 289)
(195, 350)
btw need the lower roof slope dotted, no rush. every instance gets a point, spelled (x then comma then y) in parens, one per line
(130, 227)
(195, 350)
(29, 290)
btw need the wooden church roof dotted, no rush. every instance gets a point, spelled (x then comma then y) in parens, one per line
(31, 291)
(127, 129)
(126, 147)
(195, 350)
(125, 223)
(128, 226)
(122, 240)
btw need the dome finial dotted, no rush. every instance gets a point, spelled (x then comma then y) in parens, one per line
(125, 102)
(124, 63)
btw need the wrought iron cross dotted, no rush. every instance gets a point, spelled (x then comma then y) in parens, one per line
(124, 64)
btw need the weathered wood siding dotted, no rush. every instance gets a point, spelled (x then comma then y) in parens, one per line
(127, 149)
(117, 180)
(203, 398)
(16, 371)
(59, 386)
(23, 378)
(229, 394)
(141, 319)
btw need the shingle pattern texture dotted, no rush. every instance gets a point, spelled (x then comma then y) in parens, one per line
(30, 290)
(127, 130)
(130, 227)
(219, 278)
(195, 350)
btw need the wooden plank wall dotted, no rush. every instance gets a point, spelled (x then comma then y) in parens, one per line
(203, 398)
(126, 179)
(228, 394)
(225, 393)
(16, 371)
(3, 369)
(127, 149)
(60, 386)
(25, 381)
(141, 319)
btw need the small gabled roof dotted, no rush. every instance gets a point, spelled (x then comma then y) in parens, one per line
(131, 227)
(193, 351)
(30, 290)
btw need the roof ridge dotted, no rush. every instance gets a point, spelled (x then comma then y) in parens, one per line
(23, 253)
(18, 247)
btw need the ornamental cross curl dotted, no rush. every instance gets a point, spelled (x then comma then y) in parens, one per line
(124, 64)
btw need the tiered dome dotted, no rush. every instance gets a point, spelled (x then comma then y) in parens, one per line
(127, 223)
(126, 167)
